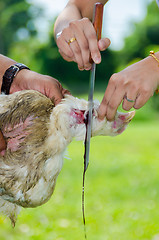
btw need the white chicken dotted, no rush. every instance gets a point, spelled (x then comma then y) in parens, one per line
(37, 135)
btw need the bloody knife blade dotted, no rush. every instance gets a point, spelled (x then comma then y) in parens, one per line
(97, 23)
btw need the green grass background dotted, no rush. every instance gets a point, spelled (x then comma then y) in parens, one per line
(121, 190)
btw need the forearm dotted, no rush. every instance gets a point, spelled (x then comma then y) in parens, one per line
(75, 10)
(70, 13)
(5, 63)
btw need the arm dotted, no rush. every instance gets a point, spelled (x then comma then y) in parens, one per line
(75, 22)
(4, 64)
(75, 10)
(27, 79)
(133, 86)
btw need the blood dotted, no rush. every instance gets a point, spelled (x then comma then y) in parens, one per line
(84, 172)
(114, 124)
(122, 117)
(79, 115)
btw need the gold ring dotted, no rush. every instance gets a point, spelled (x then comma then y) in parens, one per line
(71, 40)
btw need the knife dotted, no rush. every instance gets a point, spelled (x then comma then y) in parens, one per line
(97, 23)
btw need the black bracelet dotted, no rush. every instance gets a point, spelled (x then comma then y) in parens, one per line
(8, 76)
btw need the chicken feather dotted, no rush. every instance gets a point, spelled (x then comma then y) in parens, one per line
(37, 134)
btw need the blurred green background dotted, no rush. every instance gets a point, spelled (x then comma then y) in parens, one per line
(122, 181)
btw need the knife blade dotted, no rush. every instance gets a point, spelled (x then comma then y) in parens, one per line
(97, 23)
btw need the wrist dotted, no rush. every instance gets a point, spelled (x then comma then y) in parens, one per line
(10, 75)
(5, 63)
(153, 59)
(20, 81)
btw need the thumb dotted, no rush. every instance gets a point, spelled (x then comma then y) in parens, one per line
(101, 112)
(103, 44)
(57, 93)
(58, 96)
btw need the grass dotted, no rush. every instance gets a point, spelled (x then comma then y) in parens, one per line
(121, 192)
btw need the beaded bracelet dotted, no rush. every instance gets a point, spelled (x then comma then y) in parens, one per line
(152, 54)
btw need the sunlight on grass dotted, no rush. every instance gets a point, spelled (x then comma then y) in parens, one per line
(122, 192)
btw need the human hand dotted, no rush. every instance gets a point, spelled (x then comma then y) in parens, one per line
(134, 86)
(47, 85)
(84, 43)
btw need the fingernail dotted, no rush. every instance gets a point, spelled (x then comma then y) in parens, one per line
(100, 115)
(80, 68)
(97, 60)
(103, 48)
(88, 68)
(101, 118)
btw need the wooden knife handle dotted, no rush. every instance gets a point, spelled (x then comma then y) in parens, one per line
(98, 19)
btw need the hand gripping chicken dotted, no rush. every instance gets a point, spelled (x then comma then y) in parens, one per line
(37, 135)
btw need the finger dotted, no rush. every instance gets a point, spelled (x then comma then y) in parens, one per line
(93, 44)
(65, 57)
(58, 97)
(58, 93)
(63, 44)
(141, 99)
(77, 52)
(114, 103)
(84, 48)
(2, 142)
(65, 91)
(83, 52)
(53, 90)
(105, 101)
(129, 100)
(103, 44)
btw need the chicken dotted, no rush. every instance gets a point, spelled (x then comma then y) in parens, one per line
(37, 134)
